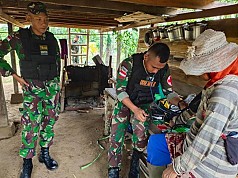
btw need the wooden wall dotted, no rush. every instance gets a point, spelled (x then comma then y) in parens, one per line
(182, 83)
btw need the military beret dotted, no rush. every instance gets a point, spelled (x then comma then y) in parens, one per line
(36, 8)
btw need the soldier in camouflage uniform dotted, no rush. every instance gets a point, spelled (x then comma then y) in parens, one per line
(39, 59)
(141, 79)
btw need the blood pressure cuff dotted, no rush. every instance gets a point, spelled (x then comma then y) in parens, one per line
(231, 147)
(193, 105)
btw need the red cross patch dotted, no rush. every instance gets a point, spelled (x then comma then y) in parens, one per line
(169, 80)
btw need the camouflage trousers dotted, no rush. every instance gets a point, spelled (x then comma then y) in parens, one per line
(120, 121)
(39, 114)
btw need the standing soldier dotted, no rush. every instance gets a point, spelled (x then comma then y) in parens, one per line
(141, 79)
(39, 57)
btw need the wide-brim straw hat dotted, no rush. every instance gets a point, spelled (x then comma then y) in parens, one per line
(210, 52)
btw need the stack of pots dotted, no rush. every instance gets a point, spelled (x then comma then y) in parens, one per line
(188, 31)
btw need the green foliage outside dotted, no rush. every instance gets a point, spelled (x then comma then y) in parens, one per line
(129, 41)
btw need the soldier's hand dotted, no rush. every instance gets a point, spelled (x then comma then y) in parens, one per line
(171, 123)
(20, 80)
(140, 114)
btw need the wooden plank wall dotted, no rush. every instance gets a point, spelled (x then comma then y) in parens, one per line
(182, 83)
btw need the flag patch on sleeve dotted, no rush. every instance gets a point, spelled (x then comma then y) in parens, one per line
(9, 38)
(122, 72)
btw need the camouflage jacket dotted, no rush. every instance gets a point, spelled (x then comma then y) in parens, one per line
(13, 42)
(123, 74)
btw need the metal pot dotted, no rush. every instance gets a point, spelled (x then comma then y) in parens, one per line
(170, 31)
(148, 38)
(198, 28)
(163, 33)
(188, 32)
(178, 32)
(175, 33)
(156, 35)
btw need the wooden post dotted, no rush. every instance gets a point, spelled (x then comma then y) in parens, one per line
(101, 45)
(88, 31)
(7, 129)
(70, 47)
(13, 61)
(118, 51)
(16, 97)
(3, 107)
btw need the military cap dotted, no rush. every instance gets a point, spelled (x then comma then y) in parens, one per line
(36, 8)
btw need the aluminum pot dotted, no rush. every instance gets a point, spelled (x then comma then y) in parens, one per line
(198, 28)
(156, 35)
(178, 32)
(170, 31)
(163, 33)
(148, 38)
(188, 32)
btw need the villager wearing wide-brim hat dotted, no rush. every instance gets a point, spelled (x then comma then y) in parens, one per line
(39, 59)
(210, 52)
(202, 153)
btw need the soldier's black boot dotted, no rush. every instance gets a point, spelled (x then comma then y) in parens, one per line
(27, 168)
(113, 172)
(45, 158)
(135, 169)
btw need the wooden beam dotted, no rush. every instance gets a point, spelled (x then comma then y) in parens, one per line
(225, 10)
(81, 22)
(137, 24)
(117, 6)
(59, 8)
(70, 18)
(7, 18)
(82, 26)
(66, 15)
(173, 3)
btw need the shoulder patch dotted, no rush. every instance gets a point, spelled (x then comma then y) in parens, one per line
(169, 80)
(123, 72)
(9, 37)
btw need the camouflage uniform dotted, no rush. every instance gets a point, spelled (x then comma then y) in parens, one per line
(122, 116)
(41, 100)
